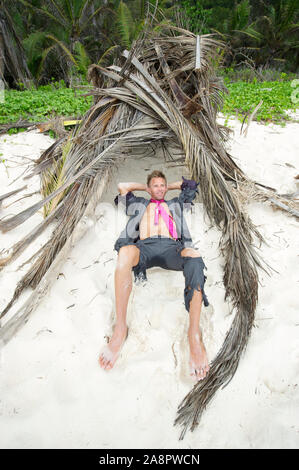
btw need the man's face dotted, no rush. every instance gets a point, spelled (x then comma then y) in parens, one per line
(157, 188)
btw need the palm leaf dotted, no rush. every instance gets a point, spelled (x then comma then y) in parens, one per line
(125, 23)
(63, 47)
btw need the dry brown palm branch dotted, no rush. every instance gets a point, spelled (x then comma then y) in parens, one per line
(209, 131)
(53, 178)
(47, 158)
(203, 162)
(73, 172)
(56, 124)
(25, 196)
(81, 190)
(21, 124)
(74, 168)
(207, 90)
(10, 327)
(250, 190)
(240, 277)
(11, 193)
(241, 282)
(9, 255)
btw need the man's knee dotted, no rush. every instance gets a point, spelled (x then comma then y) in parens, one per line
(128, 255)
(191, 252)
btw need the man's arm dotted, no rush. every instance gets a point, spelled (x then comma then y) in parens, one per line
(124, 188)
(185, 184)
(176, 185)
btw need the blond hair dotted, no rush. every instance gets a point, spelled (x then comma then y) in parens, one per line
(155, 174)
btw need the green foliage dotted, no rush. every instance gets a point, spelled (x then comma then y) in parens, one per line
(130, 20)
(56, 99)
(238, 17)
(125, 23)
(224, 16)
(52, 134)
(15, 130)
(197, 18)
(82, 59)
(249, 74)
(259, 32)
(273, 37)
(63, 37)
(48, 100)
(244, 97)
(67, 37)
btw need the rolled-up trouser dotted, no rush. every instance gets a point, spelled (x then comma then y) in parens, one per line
(165, 252)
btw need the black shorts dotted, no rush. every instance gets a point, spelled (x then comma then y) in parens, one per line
(165, 252)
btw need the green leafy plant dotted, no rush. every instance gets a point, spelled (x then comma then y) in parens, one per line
(47, 101)
(244, 97)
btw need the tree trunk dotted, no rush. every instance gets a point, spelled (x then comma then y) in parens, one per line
(1, 57)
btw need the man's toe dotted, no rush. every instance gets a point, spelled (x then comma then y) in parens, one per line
(106, 363)
(103, 361)
(200, 373)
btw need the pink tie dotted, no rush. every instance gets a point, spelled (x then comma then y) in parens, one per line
(167, 217)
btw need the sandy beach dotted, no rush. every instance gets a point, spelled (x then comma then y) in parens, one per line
(53, 393)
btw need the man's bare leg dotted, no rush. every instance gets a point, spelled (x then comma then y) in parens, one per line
(199, 364)
(128, 257)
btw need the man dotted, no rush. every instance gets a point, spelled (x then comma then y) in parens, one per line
(157, 235)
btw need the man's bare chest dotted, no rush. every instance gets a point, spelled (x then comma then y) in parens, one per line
(150, 212)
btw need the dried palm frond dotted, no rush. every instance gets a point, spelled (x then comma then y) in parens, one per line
(153, 94)
(11, 193)
(250, 191)
(53, 178)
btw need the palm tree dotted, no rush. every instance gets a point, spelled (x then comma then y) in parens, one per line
(132, 16)
(127, 28)
(69, 36)
(276, 34)
(233, 28)
(13, 66)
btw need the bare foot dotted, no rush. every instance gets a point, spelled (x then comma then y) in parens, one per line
(111, 352)
(199, 364)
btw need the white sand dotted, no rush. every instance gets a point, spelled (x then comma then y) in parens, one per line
(53, 392)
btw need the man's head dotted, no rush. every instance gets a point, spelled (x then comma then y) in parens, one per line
(157, 184)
